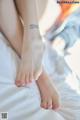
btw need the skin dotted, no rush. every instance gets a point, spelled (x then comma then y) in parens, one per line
(49, 99)
(11, 26)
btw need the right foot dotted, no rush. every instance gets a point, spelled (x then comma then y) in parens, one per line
(49, 95)
(31, 62)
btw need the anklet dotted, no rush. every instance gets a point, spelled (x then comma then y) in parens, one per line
(34, 29)
(32, 26)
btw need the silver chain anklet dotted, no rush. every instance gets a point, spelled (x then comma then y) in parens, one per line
(32, 26)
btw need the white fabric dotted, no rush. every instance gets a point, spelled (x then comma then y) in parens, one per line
(24, 103)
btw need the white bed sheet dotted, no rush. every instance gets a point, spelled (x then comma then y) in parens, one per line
(24, 103)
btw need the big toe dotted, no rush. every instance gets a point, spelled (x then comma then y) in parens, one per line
(49, 104)
(44, 104)
(56, 105)
(18, 83)
(21, 81)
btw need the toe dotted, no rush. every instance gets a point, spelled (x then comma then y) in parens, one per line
(17, 82)
(22, 82)
(49, 104)
(44, 104)
(31, 77)
(55, 105)
(27, 78)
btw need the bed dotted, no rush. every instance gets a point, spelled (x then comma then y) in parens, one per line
(24, 103)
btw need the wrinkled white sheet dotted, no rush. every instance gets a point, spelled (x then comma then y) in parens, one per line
(24, 103)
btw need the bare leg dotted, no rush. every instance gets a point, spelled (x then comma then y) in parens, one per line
(10, 24)
(32, 49)
(49, 95)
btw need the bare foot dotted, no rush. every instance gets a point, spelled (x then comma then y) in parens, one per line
(49, 95)
(31, 62)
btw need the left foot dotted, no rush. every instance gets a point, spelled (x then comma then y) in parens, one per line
(31, 59)
(49, 95)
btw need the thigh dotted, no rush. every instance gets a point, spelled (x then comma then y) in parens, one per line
(27, 10)
(10, 24)
(40, 5)
(7, 15)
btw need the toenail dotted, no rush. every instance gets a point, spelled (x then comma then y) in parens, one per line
(56, 108)
(43, 106)
(31, 80)
(50, 106)
(23, 84)
(18, 82)
(18, 85)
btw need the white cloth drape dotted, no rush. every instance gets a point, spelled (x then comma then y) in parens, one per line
(24, 103)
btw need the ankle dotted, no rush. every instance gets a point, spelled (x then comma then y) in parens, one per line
(43, 76)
